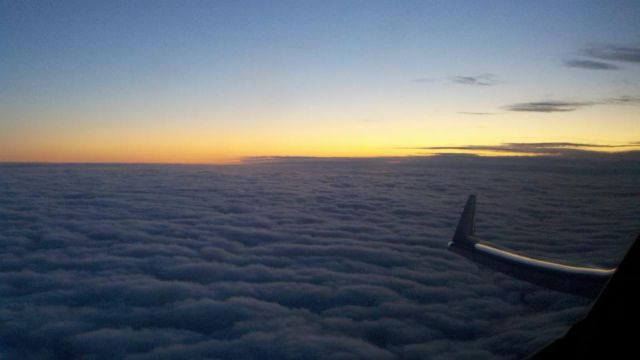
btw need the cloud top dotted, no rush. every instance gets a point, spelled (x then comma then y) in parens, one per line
(294, 258)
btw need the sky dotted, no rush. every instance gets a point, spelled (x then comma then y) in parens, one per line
(216, 81)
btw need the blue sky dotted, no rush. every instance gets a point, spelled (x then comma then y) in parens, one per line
(245, 78)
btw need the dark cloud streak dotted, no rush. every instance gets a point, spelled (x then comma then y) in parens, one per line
(476, 80)
(590, 64)
(566, 106)
(613, 53)
(538, 148)
(548, 106)
(622, 100)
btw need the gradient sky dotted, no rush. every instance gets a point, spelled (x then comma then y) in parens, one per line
(212, 81)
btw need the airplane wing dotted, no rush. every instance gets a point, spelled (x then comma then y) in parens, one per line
(608, 328)
(577, 280)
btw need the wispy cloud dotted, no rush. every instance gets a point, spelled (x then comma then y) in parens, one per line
(486, 79)
(622, 100)
(613, 53)
(607, 52)
(476, 80)
(548, 106)
(590, 64)
(565, 106)
(475, 113)
(534, 148)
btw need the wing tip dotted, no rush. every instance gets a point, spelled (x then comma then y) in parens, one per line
(466, 224)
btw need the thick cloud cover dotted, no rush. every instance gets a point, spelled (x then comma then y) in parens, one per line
(295, 259)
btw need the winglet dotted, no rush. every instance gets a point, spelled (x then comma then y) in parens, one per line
(466, 225)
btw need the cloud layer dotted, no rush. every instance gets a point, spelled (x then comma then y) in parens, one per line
(339, 259)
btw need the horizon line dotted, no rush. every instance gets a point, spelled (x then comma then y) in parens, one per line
(249, 160)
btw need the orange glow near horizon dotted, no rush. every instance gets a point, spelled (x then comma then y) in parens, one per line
(221, 141)
(226, 150)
